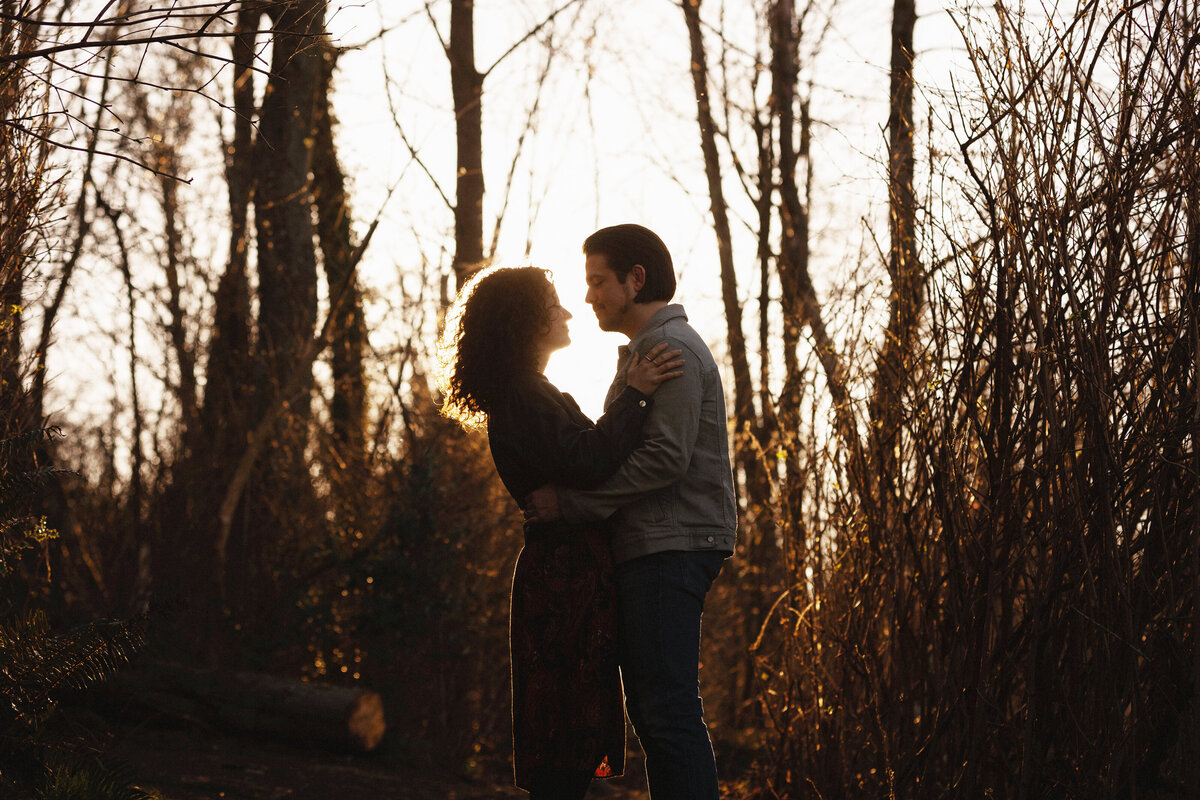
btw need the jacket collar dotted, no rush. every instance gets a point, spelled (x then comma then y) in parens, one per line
(660, 318)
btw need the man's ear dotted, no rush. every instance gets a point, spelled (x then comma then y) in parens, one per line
(638, 274)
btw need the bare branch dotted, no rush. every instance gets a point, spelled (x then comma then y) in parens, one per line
(530, 123)
(529, 35)
(412, 150)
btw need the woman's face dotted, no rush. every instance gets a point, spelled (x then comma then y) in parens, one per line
(557, 335)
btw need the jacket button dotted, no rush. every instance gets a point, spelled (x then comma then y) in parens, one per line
(711, 540)
(641, 403)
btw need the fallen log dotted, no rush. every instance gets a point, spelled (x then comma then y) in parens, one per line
(334, 717)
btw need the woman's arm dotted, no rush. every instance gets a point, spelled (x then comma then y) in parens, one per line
(558, 441)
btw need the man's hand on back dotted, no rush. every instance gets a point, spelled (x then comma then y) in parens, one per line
(542, 505)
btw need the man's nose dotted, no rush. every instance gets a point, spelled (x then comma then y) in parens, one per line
(589, 298)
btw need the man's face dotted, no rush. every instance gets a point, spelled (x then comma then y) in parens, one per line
(610, 299)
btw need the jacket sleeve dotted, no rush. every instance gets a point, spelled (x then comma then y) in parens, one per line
(570, 449)
(668, 439)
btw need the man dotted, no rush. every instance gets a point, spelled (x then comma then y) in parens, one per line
(673, 510)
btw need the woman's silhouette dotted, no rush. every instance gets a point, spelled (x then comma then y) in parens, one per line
(568, 720)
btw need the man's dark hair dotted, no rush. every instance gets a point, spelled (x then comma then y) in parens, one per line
(625, 245)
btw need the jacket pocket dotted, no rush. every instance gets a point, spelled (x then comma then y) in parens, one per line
(654, 511)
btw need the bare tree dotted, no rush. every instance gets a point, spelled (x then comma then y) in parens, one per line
(467, 81)
(907, 292)
(1021, 566)
(758, 573)
(348, 406)
(467, 84)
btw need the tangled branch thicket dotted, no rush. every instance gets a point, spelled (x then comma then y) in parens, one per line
(1023, 624)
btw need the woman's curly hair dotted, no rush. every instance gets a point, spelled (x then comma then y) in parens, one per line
(491, 331)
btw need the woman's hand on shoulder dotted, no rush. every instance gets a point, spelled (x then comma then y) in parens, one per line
(647, 373)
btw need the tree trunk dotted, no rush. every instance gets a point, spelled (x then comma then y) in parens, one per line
(287, 263)
(758, 577)
(82, 222)
(744, 414)
(279, 504)
(136, 493)
(908, 285)
(229, 371)
(467, 85)
(335, 717)
(799, 298)
(174, 259)
(185, 560)
(348, 335)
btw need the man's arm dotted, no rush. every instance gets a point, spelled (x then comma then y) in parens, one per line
(669, 437)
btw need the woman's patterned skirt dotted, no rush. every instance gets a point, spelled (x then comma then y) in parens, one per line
(568, 710)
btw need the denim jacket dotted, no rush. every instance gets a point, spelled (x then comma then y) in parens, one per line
(675, 491)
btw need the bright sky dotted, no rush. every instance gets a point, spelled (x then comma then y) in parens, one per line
(622, 146)
(614, 140)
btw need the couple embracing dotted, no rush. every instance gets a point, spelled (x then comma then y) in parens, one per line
(627, 520)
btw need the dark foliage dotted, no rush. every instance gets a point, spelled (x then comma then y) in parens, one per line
(37, 664)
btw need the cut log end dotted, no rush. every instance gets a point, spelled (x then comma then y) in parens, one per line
(336, 717)
(366, 724)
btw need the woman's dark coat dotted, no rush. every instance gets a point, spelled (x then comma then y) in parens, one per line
(567, 702)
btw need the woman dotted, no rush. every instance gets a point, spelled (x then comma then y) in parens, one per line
(568, 720)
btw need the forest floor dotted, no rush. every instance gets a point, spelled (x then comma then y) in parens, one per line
(187, 761)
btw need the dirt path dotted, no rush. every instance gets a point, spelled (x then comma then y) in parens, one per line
(187, 762)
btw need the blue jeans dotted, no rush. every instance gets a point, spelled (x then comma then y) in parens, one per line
(661, 599)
